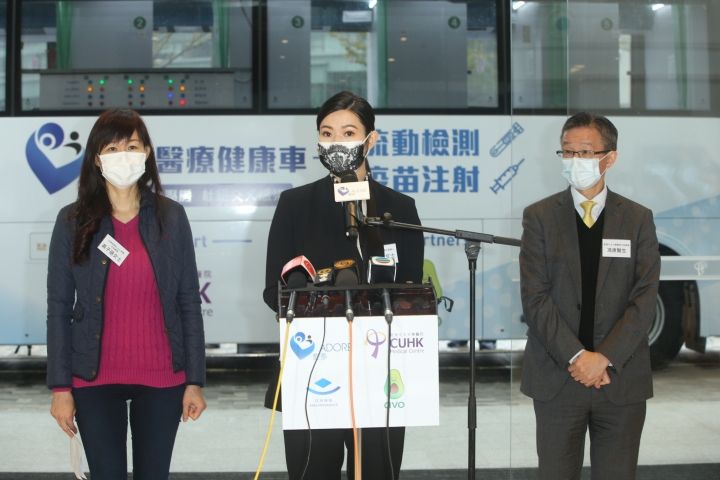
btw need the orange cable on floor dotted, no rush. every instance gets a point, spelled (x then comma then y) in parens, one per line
(277, 394)
(352, 411)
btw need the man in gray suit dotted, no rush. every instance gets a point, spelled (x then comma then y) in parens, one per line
(589, 273)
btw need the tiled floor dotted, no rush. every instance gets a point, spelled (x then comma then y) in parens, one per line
(683, 423)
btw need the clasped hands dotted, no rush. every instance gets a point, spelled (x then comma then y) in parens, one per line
(590, 369)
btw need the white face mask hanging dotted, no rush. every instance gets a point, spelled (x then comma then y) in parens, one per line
(123, 169)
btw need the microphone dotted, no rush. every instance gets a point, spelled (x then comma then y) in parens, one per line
(383, 270)
(347, 277)
(296, 279)
(351, 227)
(295, 274)
(341, 265)
(325, 276)
(298, 264)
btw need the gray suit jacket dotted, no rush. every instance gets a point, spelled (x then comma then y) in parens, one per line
(551, 294)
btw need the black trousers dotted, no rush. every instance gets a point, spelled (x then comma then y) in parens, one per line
(102, 418)
(327, 453)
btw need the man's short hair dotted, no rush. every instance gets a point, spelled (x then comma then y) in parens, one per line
(608, 132)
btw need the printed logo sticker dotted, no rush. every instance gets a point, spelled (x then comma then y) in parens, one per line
(395, 384)
(42, 149)
(324, 384)
(297, 345)
(375, 339)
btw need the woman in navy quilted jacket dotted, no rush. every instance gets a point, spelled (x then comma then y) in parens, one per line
(124, 320)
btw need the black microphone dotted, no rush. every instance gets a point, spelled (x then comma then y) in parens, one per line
(383, 270)
(325, 276)
(348, 264)
(351, 227)
(297, 279)
(347, 277)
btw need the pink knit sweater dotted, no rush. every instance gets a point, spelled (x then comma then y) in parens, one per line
(135, 348)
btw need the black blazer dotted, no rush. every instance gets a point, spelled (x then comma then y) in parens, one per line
(309, 222)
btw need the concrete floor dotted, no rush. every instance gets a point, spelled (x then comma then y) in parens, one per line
(682, 426)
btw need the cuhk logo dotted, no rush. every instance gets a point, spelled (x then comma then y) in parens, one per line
(375, 339)
(302, 346)
(325, 386)
(55, 164)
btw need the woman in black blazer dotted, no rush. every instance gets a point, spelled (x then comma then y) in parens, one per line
(309, 222)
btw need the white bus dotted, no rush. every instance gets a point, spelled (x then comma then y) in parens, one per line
(470, 101)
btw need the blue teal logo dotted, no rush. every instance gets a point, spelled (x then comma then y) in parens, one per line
(44, 144)
(324, 384)
(302, 346)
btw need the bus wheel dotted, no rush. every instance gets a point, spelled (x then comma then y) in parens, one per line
(666, 333)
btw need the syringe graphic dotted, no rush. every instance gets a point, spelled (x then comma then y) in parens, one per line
(506, 176)
(506, 140)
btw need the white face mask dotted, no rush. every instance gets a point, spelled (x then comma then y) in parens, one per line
(582, 173)
(123, 169)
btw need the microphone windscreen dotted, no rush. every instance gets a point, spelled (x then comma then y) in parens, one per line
(341, 265)
(324, 277)
(381, 270)
(346, 278)
(297, 279)
(348, 176)
(298, 264)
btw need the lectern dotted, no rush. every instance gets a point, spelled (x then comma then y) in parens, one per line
(321, 342)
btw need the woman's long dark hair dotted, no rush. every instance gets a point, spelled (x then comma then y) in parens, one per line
(362, 109)
(93, 203)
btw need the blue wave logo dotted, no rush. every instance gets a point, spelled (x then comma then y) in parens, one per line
(324, 384)
(46, 141)
(296, 344)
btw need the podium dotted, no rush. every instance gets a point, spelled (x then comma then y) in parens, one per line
(316, 375)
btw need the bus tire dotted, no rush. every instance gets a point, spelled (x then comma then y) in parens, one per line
(666, 333)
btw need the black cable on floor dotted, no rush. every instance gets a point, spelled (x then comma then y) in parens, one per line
(387, 412)
(307, 391)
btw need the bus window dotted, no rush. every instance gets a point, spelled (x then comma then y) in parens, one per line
(628, 56)
(93, 55)
(410, 54)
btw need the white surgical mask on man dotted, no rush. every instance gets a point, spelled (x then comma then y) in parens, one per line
(123, 169)
(582, 173)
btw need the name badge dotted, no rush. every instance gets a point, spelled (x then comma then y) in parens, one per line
(391, 252)
(351, 192)
(616, 248)
(115, 252)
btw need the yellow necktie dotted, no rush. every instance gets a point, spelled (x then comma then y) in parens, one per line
(587, 218)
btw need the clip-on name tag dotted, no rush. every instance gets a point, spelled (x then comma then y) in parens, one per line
(116, 252)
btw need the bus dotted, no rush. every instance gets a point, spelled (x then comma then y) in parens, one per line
(470, 98)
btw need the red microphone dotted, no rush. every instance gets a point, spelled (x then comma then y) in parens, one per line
(295, 275)
(298, 264)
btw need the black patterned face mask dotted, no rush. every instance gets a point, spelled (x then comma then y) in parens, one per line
(340, 157)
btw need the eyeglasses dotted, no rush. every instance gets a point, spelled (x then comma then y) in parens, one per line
(580, 153)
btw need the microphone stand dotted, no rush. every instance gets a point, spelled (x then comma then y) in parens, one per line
(472, 250)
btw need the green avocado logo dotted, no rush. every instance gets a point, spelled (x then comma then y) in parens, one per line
(395, 385)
